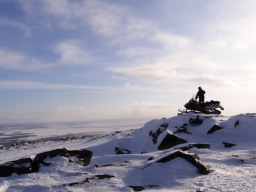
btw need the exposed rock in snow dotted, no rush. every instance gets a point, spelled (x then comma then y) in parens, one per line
(228, 145)
(214, 128)
(169, 141)
(27, 165)
(190, 157)
(120, 151)
(173, 154)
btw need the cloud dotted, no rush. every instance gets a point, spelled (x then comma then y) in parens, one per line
(166, 73)
(32, 85)
(72, 53)
(134, 51)
(210, 80)
(150, 109)
(158, 72)
(14, 24)
(46, 86)
(11, 60)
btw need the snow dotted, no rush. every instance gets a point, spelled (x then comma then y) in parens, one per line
(231, 169)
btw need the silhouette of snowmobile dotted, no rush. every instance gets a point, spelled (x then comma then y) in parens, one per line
(209, 107)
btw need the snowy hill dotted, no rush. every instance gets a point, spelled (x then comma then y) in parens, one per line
(189, 152)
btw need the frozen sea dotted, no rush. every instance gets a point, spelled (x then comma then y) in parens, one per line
(14, 133)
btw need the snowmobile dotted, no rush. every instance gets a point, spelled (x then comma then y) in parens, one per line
(209, 107)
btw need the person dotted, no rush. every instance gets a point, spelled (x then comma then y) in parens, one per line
(200, 95)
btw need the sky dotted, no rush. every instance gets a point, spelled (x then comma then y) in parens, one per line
(79, 60)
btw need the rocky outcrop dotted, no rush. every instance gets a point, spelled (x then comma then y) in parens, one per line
(27, 165)
(214, 128)
(120, 151)
(160, 130)
(170, 141)
(228, 145)
(190, 157)
(182, 129)
(196, 145)
(20, 166)
(196, 121)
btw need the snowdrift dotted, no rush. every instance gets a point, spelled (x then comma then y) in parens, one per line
(189, 152)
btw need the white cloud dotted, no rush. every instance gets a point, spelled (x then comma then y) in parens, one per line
(166, 73)
(47, 86)
(170, 40)
(10, 23)
(157, 73)
(136, 51)
(31, 85)
(210, 81)
(150, 109)
(16, 61)
(72, 53)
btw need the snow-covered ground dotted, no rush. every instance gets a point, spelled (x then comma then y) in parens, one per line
(231, 169)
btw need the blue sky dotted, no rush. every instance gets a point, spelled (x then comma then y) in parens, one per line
(66, 60)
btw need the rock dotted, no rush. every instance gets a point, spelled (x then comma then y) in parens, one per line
(20, 166)
(28, 165)
(196, 121)
(228, 145)
(214, 128)
(196, 145)
(137, 188)
(160, 130)
(190, 157)
(236, 123)
(169, 141)
(83, 156)
(182, 130)
(120, 151)
(105, 176)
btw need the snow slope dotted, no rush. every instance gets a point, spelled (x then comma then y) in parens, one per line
(231, 169)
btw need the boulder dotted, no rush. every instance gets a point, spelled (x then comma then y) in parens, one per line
(196, 121)
(83, 156)
(137, 188)
(27, 165)
(20, 166)
(214, 128)
(196, 145)
(155, 135)
(228, 145)
(120, 151)
(105, 176)
(190, 157)
(237, 123)
(169, 141)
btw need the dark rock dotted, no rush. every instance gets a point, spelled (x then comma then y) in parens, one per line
(105, 176)
(236, 123)
(120, 151)
(20, 166)
(196, 145)
(137, 188)
(107, 165)
(26, 165)
(165, 125)
(228, 145)
(160, 130)
(87, 180)
(83, 156)
(182, 130)
(169, 141)
(196, 121)
(190, 157)
(214, 128)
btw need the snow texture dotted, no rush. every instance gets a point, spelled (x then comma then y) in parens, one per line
(232, 167)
